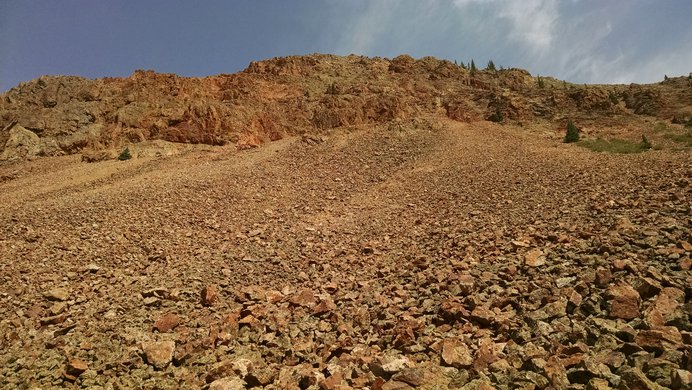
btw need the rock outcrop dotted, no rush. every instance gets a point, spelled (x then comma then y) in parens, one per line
(287, 96)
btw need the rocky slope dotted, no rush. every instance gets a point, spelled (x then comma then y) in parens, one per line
(434, 254)
(295, 95)
(388, 239)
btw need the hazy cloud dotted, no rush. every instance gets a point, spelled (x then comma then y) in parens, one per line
(532, 21)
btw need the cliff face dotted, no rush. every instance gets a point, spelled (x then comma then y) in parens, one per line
(304, 94)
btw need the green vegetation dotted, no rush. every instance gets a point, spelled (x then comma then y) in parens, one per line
(125, 155)
(660, 127)
(616, 145)
(541, 82)
(473, 67)
(685, 138)
(497, 116)
(572, 134)
(491, 66)
(613, 98)
(645, 144)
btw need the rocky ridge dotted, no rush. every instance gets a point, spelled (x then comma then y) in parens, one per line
(272, 99)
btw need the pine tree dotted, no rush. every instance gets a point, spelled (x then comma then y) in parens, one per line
(473, 67)
(491, 66)
(572, 133)
(541, 83)
(125, 155)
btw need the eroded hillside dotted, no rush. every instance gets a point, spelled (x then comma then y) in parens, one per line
(389, 237)
(295, 95)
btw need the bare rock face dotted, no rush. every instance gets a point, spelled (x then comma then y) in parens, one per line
(288, 96)
(20, 143)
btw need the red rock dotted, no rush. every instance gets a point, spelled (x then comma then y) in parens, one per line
(210, 294)
(556, 373)
(603, 277)
(332, 382)
(665, 306)
(534, 258)
(485, 355)
(659, 339)
(623, 301)
(159, 353)
(305, 297)
(483, 316)
(167, 322)
(456, 353)
(74, 368)
(646, 287)
(395, 385)
(325, 306)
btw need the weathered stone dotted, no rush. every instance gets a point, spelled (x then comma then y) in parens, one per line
(306, 297)
(167, 322)
(534, 258)
(159, 353)
(395, 385)
(230, 383)
(388, 365)
(623, 301)
(656, 340)
(681, 379)
(324, 306)
(646, 287)
(209, 295)
(75, 368)
(456, 353)
(556, 373)
(603, 277)
(57, 294)
(598, 384)
(483, 315)
(634, 378)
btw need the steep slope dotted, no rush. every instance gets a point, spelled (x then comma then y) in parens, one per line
(427, 255)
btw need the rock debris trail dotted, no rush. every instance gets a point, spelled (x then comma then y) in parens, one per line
(423, 254)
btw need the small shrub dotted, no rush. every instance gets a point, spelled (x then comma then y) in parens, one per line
(645, 144)
(572, 134)
(491, 66)
(497, 116)
(125, 155)
(541, 82)
(613, 98)
(473, 67)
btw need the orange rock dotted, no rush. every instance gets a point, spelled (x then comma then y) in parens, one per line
(209, 295)
(167, 322)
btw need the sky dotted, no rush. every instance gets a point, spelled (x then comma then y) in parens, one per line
(582, 41)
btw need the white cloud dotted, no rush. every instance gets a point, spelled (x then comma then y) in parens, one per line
(363, 34)
(532, 21)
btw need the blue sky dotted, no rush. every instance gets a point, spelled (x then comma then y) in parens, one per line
(584, 41)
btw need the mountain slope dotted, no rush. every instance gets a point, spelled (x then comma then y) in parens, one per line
(295, 95)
